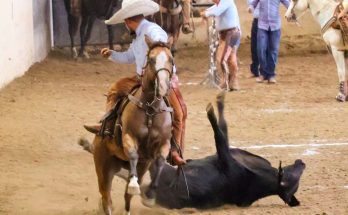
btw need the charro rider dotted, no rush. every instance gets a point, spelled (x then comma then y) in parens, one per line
(132, 14)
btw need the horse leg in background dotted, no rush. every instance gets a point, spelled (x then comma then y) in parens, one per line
(85, 33)
(150, 195)
(73, 22)
(176, 24)
(111, 37)
(174, 48)
(105, 172)
(109, 27)
(341, 70)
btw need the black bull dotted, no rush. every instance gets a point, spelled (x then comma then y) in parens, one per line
(231, 176)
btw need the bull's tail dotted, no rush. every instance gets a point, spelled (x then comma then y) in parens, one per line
(86, 145)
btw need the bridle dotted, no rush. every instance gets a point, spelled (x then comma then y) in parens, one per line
(149, 107)
(293, 15)
(149, 62)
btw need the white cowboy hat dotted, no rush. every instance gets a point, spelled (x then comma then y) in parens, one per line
(132, 8)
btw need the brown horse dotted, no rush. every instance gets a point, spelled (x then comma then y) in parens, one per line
(146, 132)
(169, 18)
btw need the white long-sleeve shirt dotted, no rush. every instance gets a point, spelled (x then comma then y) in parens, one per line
(138, 48)
(226, 14)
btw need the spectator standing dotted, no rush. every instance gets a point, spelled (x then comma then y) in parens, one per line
(268, 36)
(254, 66)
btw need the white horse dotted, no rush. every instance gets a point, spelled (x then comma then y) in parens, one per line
(323, 12)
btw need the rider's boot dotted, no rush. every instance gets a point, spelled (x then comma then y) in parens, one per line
(179, 118)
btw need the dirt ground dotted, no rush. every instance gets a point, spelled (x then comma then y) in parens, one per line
(44, 171)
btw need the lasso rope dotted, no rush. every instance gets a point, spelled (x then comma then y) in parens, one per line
(214, 43)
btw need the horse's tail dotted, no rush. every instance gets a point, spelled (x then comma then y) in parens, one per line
(86, 145)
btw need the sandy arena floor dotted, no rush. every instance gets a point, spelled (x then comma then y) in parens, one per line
(44, 171)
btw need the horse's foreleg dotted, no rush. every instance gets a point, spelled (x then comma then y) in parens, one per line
(150, 194)
(130, 149)
(341, 70)
(105, 172)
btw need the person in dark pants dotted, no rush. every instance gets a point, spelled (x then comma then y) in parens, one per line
(254, 66)
(268, 37)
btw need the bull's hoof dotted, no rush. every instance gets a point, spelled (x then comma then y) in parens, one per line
(209, 109)
(133, 186)
(341, 97)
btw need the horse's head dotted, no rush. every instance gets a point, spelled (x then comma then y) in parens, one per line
(296, 9)
(159, 68)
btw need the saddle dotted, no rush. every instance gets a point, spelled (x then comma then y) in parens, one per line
(115, 114)
(339, 21)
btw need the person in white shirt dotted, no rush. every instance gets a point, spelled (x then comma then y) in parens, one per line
(132, 14)
(227, 23)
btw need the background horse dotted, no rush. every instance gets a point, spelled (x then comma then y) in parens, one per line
(146, 132)
(323, 12)
(87, 11)
(169, 18)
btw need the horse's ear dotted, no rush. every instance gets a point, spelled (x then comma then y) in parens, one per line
(170, 41)
(148, 41)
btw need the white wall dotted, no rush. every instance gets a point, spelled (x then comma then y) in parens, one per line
(25, 36)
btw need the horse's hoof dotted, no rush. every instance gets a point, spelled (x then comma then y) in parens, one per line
(341, 98)
(133, 186)
(102, 210)
(86, 55)
(148, 202)
(126, 212)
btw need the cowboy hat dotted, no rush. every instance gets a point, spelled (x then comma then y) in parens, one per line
(132, 8)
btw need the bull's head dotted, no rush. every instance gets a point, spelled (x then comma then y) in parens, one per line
(289, 178)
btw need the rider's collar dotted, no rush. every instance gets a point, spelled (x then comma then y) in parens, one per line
(140, 27)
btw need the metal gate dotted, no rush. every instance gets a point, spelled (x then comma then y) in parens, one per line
(99, 32)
